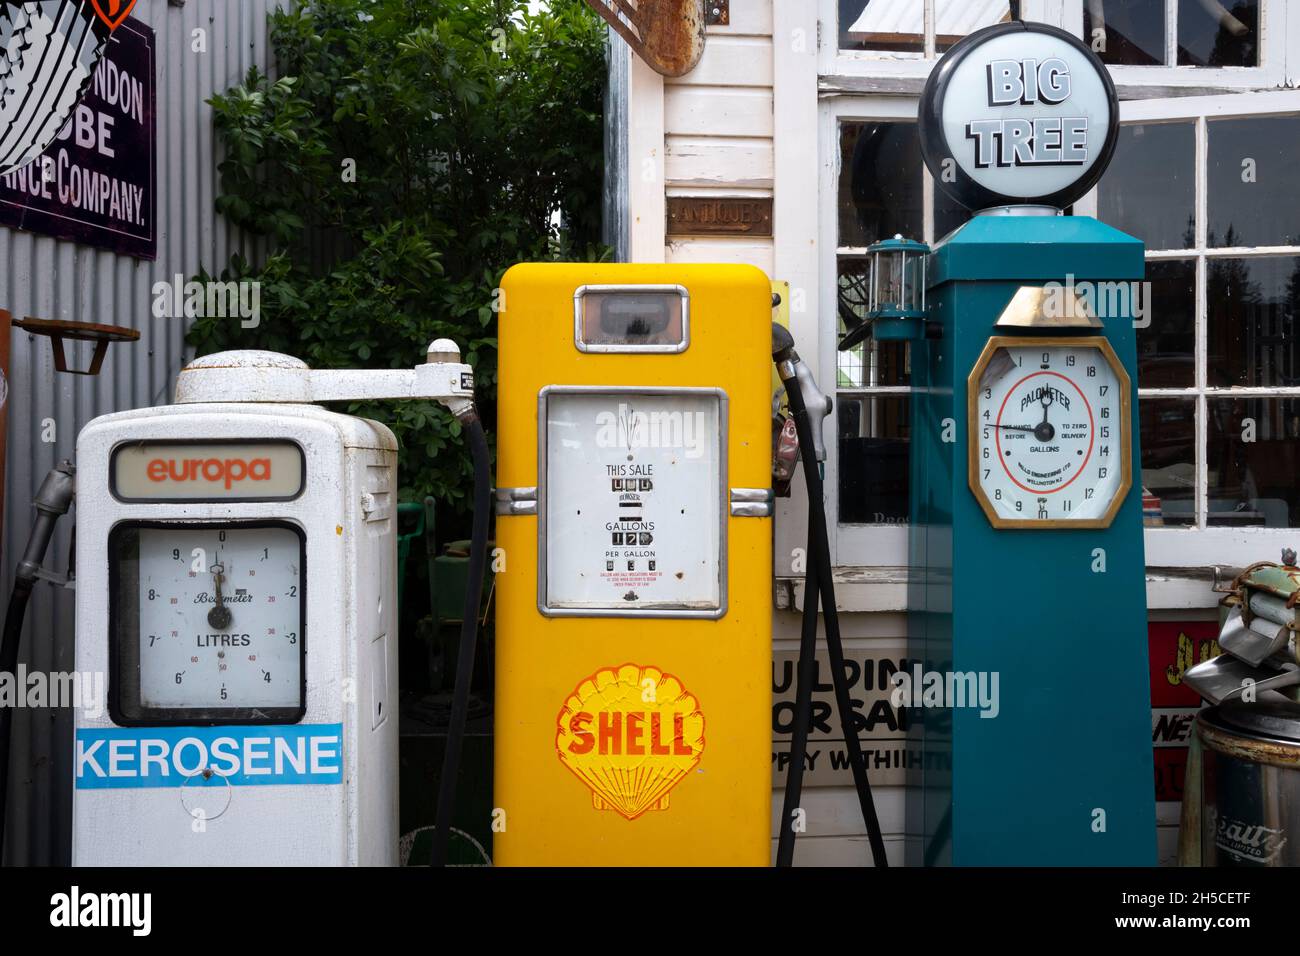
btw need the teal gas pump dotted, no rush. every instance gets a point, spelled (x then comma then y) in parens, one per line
(1027, 600)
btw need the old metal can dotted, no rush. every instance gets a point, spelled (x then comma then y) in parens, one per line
(1250, 783)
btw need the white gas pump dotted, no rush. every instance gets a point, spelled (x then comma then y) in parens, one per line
(236, 562)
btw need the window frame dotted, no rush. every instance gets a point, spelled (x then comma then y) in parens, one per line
(865, 545)
(1201, 545)
(858, 545)
(863, 86)
(1280, 36)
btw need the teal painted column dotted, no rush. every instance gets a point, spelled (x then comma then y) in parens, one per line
(1062, 775)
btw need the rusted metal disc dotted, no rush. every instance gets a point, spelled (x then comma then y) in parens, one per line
(77, 331)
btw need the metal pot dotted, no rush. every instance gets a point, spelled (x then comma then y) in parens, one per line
(1250, 783)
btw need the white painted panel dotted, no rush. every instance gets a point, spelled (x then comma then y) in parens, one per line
(645, 162)
(710, 161)
(841, 851)
(755, 252)
(731, 61)
(835, 812)
(717, 111)
(748, 17)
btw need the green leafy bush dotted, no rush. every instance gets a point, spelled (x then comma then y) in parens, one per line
(409, 153)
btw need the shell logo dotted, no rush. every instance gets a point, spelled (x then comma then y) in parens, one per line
(631, 734)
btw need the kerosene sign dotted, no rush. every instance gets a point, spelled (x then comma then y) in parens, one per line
(1024, 115)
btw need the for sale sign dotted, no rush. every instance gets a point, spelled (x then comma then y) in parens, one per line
(97, 182)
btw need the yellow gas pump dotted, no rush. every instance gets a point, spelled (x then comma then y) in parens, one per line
(634, 503)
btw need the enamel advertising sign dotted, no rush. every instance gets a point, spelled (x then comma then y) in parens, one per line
(96, 183)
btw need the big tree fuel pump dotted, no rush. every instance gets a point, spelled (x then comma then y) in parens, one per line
(236, 557)
(1028, 571)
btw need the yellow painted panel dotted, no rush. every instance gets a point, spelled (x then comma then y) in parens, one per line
(686, 702)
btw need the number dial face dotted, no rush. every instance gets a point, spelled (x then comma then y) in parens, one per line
(208, 623)
(1049, 421)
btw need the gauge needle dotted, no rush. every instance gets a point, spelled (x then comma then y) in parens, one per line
(1044, 430)
(1017, 428)
(219, 616)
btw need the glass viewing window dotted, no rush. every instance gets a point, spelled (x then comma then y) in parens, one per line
(645, 318)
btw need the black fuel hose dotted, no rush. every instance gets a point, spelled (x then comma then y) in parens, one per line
(468, 637)
(52, 502)
(819, 586)
(802, 723)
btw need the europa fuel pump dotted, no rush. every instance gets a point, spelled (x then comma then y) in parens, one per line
(236, 582)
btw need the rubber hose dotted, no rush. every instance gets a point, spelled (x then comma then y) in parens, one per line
(802, 724)
(468, 640)
(819, 560)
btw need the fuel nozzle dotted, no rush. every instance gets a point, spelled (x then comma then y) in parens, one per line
(801, 386)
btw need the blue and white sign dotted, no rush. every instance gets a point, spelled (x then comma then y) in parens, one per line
(137, 757)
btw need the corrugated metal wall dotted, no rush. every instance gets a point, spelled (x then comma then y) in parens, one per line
(51, 279)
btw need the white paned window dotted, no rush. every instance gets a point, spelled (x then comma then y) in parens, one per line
(1220, 359)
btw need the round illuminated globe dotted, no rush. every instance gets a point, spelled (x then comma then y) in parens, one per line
(1018, 114)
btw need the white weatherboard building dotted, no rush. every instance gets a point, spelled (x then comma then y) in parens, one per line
(810, 105)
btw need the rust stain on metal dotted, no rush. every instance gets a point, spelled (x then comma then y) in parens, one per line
(718, 13)
(722, 215)
(667, 34)
(1251, 749)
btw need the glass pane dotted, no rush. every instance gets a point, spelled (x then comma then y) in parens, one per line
(953, 19)
(1167, 346)
(1150, 189)
(873, 434)
(1168, 461)
(1253, 305)
(1253, 459)
(1254, 166)
(884, 25)
(880, 182)
(1218, 32)
(871, 362)
(1128, 32)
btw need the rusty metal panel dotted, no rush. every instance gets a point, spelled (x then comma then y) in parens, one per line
(719, 216)
(54, 279)
(667, 34)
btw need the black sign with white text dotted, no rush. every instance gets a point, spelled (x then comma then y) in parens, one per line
(97, 182)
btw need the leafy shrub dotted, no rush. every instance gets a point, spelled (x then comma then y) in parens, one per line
(408, 153)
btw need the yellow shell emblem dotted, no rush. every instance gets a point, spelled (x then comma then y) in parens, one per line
(631, 734)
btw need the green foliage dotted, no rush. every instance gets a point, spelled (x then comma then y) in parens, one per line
(409, 153)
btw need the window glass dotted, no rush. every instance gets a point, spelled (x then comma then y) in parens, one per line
(884, 25)
(1167, 345)
(954, 19)
(1126, 32)
(880, 182)
(1218, 32)
(1253, 306)
(1253, 460)
(874, 433)
(1149, 191)
(1168, 461)
(1254, 166)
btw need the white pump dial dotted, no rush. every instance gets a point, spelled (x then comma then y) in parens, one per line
(1049, 432)
(209, 621)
